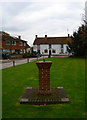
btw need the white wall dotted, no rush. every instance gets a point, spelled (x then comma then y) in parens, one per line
(43, 47)
(65, 48)
(56, 47)
(35, 48)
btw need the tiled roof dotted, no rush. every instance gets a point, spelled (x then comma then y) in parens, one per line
(51, 40)
(8, 37)
(4, 37)
(27, 46)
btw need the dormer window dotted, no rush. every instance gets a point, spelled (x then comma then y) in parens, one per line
(13, 42)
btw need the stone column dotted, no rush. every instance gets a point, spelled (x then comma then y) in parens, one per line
(44, 77)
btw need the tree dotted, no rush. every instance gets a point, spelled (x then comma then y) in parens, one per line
(79, 42)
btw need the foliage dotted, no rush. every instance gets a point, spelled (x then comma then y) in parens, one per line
(26, 55)
(79, 42)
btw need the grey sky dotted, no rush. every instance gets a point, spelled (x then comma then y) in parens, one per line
(37, 17)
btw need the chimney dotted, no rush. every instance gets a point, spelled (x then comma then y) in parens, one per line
(19, 37)
(68, 35)
(36, 36)
(46, 36)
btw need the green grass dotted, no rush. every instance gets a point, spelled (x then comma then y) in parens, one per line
(66, 72)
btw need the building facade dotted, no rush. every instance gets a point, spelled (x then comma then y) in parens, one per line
(51, 45)
(13, 44)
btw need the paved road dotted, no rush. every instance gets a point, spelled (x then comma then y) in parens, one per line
(9, 63)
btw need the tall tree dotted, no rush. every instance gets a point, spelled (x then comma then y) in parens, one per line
(79, 41)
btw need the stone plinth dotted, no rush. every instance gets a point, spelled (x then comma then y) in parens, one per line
(44, 77)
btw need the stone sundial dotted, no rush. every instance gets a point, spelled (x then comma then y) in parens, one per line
(44, 94)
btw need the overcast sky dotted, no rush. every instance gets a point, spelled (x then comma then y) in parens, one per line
(51, 17)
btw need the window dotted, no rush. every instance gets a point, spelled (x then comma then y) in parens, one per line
(21, 43)
(66, 52)
(53, 51)
(13, 51)
(46, 51)
(21, 51)
(7, 42)
(24, 44)
(6, 50)
(13, 42)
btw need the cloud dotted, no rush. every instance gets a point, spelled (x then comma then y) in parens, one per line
(52, 18)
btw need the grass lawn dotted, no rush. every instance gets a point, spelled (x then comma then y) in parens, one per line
(66, 72)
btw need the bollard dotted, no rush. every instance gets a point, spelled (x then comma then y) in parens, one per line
(27, 60)
(13, 63)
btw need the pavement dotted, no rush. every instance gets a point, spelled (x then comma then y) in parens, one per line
(9, 63)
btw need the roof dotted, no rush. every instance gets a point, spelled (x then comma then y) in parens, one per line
(51, 40)
(27, 46)
(6, 36)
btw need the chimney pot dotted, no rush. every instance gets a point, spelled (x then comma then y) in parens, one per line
(45, 36)
(35, 36)
(19, 37)
(68, 35)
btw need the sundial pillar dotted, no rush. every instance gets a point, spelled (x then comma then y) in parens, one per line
(44, 77)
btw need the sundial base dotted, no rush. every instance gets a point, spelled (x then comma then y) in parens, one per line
(32, 97)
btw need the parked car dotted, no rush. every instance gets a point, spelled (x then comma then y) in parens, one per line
(5, 55)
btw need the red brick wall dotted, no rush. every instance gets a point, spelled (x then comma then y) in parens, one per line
(44, 77)
(17, 46)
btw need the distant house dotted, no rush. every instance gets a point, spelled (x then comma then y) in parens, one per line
(12, 44)
(51, 45)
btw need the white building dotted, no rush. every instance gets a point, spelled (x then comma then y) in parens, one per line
(51, 45)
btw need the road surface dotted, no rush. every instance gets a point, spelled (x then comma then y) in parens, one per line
(9, 63)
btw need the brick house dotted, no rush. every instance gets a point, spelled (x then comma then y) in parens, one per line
(13, 44)
(51, 45)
